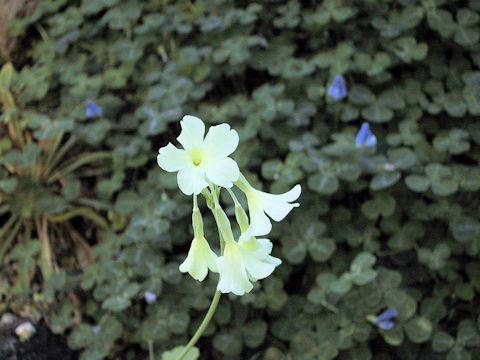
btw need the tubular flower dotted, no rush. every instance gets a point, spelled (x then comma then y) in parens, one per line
(261, 204)
(201, 160)
(384, 320)
(200, 257)
(245, 261)
(93, 109)
(365, 136)
(338, 89)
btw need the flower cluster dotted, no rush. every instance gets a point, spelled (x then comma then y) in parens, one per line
(204, 167)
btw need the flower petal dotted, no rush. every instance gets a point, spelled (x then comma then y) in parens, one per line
(386, 325)
(193, 130)
(278, 206)
(222, 171)
(259, 222)
(265, 247)
(387, 315)
(256, 268)
(233, 276)
(172, 159)
(221, 139)
(371, 140)
(191, 180)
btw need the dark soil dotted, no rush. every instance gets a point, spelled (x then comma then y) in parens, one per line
(44, 345)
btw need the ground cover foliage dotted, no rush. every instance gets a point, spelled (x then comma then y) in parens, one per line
(90, 223)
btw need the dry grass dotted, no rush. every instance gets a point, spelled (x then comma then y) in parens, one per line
(8, 10)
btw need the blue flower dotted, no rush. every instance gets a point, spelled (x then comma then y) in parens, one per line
(338, 89)
(150, 297)
(384, 319)
(93, 109)
(365, 137)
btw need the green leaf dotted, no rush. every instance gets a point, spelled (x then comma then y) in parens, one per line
(417, 183)
(384, 180)
(454, 104)
(467, 17)
(364, 277)
(361, 95)
(377, 113)
(458, 353)
(401, 301)
(465, 228)
(254, 333)
(467, 334)
(228, 343)
(418, 329)
(8, 185)
(321, 249)
(442, 341)
(402, 158)
(464, 291)
(342, 285)
(394, 336)
(193, 353)
(362, 262)
(326, 184)
(293, 250)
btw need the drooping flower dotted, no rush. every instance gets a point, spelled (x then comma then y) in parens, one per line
(244, 262)
(261, 204)
(93, 109)
(383, 320)
(365, 136)
(338, 89)
(200, 257)
(202, 160)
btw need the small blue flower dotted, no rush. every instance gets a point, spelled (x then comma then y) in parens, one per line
(93, 109)
(150, 297)
(338, 89)
(365, 137)
(384, 319)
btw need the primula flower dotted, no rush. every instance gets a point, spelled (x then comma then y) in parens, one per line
(203, 160)
(200, 257)
(93, 109)
(245, 261)
(338, 89)
(384, 319)
(261, 204)
(365, 136)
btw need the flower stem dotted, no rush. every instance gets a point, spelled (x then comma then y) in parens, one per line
(203, 325)
(151, 356)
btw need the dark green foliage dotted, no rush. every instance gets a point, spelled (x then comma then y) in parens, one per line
(392, 226)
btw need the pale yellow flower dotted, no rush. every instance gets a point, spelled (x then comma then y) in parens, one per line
(261, 204)
(244, 262)
(201, 160)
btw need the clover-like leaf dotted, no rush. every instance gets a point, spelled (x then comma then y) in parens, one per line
(193, 353)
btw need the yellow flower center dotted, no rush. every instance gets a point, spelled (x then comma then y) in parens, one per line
(196, 156)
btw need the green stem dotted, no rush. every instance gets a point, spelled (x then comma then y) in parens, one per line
(80, 211)
(6, 242)
(79, 161)
(150, 350)
(221, 219)
(240, 214)
(203, 325)
(56, 156)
